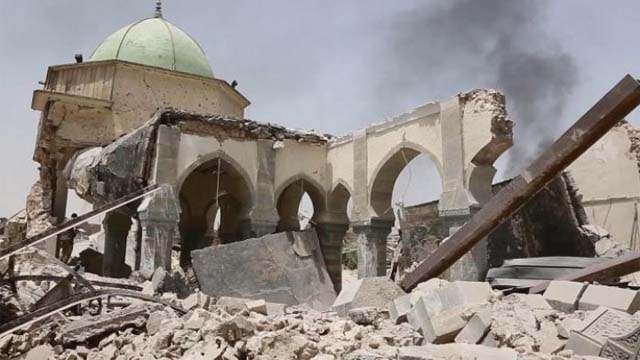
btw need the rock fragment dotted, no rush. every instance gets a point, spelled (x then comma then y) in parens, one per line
(564, 295)
(613, 297)
(368, 292)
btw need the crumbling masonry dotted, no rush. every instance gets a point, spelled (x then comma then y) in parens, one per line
(119, 123)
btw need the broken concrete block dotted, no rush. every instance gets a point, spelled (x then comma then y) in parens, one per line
(40, 352)
(399, 308)
(232, 305)
(439, 314)
(275, 309)
(564, 295)
(258, 306)
(455, 351)
(267, 268)
(609, 296)
(367, 292)
(197, 319)
(476, 329)
(365, 315)
(533, 301)
(81, 330)
(195, 300)
(599, 326)
(235, 329)
(566, 326)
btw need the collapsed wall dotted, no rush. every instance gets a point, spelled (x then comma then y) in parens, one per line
(549, 224)
(608, 176)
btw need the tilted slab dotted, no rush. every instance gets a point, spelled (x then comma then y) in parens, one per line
(268, 268)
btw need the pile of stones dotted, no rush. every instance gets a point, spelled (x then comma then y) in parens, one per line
(371, 319)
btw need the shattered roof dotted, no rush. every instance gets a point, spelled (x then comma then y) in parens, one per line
(255, 129)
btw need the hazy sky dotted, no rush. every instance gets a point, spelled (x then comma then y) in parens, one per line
(338, 65)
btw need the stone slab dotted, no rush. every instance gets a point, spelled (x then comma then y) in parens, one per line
(477, 327)
(267, 268)
(564, 295)
(610, 296)
(599, 326)
(399, 308)
(368, 292)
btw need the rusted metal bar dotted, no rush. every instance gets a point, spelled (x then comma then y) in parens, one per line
(79, 279)
(79, 220)
(100, 283)
(616, 104)
(75, 299)
(605, 270)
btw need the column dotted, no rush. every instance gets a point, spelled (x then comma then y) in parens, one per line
(372, 247)
(263, 218)
(331, 237)
(159, 217)
(116, 225)
(250, 228)
(159, 213)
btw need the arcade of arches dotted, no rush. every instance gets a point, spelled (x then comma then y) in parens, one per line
(252, 176)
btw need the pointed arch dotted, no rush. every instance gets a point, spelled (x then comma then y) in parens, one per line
(217, 181)
(387, 172)
(289, 195)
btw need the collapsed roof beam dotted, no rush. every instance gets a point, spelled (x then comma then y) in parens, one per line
(614, 106)
(606, 270)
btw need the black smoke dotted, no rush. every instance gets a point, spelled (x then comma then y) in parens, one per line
(462, 44)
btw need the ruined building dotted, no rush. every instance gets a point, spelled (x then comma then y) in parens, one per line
(147, 109)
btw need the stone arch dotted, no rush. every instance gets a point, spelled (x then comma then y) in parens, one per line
(213, 181)
(289, 196)
(338, 201)
(386, 174)
(213, 156)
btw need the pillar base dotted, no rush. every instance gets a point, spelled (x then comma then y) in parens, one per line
(331, 237)
(250, 228)
(372, 247)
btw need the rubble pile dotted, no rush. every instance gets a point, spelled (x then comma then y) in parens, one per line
(371, 318)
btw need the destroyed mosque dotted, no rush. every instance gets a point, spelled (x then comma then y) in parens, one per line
(201, 204)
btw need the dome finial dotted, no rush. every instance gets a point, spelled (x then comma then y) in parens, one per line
(158, 8)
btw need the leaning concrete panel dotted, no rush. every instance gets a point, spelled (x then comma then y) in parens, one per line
(267, 268)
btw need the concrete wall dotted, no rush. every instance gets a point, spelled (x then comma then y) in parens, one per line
(296, 160)
(97, 102)
(463, 136)
(608, 178)
(139, 91)
(195, 150)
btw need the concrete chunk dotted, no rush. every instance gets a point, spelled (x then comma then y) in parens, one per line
(258, 306)
(609, 296)
(399, 308)
(533, 301)
(599, 326)
(477, 327)
(267, 268)
(368, 292)
(439, 314)
(564, 295)
(455, 351)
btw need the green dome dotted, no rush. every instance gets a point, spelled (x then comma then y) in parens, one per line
(155, 42)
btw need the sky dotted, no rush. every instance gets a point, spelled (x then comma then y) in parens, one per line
(336, 66)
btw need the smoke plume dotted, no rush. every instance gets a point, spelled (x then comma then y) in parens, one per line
(463, 44)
